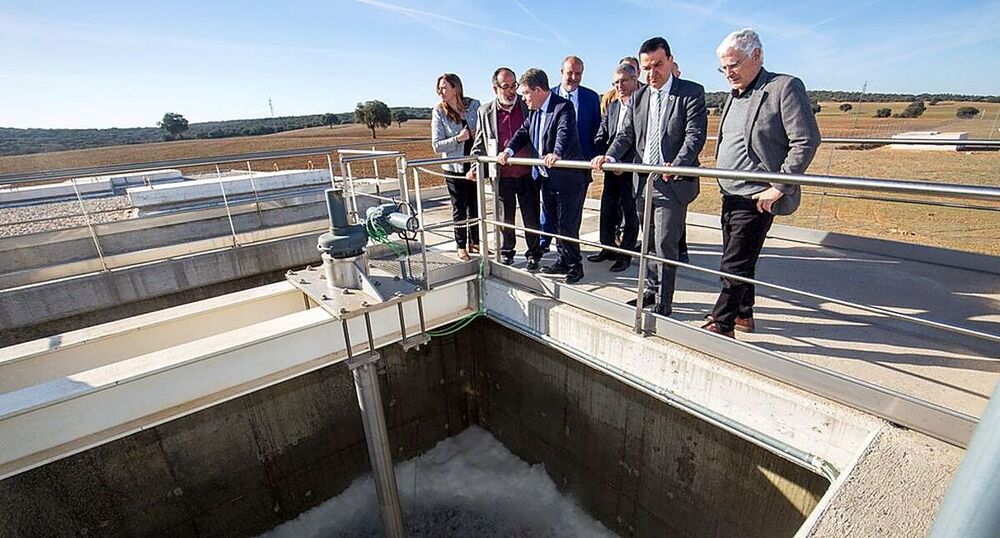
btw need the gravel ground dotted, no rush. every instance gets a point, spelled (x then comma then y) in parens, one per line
(24, 220)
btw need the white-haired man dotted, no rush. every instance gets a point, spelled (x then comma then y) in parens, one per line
(767, 126)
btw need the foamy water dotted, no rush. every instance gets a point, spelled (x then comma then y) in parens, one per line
(467, 485)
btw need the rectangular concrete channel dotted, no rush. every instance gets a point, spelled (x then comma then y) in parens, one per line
(638, 465)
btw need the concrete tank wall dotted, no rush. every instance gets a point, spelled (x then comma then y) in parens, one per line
(242, 467)
(640, 466)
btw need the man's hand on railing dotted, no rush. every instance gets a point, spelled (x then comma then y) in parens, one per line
(550, 160)
(598, 162)
(766, 199)
(471, 174)
(502, 158)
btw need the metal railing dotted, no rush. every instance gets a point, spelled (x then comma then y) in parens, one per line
(881, 141)
(930, 418)
(118, 261)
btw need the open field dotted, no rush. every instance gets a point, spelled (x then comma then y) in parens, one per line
(973, 230)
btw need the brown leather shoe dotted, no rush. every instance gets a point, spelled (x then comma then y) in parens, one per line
(745, 325)
(713, 327)
(463, 255)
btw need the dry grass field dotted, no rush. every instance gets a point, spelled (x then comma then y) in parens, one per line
(966, 229)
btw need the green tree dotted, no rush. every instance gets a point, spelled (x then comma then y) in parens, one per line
(173, 123)
(815, 106)
(330, 120)
(846, 107)
(400, 117)
(883, 113)
(967, 112)
(913, 110)
(373, 114)
(934, 101)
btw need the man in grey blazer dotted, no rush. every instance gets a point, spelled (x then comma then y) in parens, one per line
(767, 126)
(665, 125)
(498, 121)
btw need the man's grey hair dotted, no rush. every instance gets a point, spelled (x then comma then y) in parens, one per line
(574, 59)
(534, 78)
(745, 41)
(627, 69)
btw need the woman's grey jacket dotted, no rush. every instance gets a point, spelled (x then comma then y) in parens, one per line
(444, 131)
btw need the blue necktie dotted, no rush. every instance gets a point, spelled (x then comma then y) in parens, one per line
(537, 142)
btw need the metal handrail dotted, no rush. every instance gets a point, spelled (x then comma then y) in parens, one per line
(989, 193)
(976, 142)
(69, 173)
(973, 192)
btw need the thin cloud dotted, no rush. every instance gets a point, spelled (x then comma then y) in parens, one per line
(436, 16)
(828, 20)
(559, 37)
(97, 35)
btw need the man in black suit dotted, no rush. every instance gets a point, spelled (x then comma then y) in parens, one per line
(550, 130)
(665, 125)
(617, 199)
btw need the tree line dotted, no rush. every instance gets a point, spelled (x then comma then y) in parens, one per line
(376, 115)
(28, 141)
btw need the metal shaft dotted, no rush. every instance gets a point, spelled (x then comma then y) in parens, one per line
(377, 439)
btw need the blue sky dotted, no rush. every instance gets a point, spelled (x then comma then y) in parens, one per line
(123, 64)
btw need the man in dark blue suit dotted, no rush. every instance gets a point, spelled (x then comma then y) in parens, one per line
(587, 106)
(550, 130)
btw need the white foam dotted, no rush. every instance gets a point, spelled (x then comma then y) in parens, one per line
(467, 485)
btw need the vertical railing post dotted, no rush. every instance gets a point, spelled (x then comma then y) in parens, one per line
(423, 233)
(329, 165)
(90, 225)
(375, 165)
(647, 210)
(404, 195)
(256, 198)
(484, 237)
(225, 202)
(482, 170)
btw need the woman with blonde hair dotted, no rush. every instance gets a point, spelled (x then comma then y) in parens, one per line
(453, 129)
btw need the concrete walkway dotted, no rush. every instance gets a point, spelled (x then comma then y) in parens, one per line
(949, 369)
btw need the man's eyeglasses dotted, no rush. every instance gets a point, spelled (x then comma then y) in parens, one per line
(506, 87)
(731, 67)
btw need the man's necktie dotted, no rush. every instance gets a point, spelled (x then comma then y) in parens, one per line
(536, 140)
(654, 154)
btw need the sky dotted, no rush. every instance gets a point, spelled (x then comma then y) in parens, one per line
(105, 64)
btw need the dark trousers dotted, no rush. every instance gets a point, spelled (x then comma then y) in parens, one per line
(511, 193)
(618, 202)
(548, 222)
(743, 232)
(662, 239)
(464, 206)
(565, 210)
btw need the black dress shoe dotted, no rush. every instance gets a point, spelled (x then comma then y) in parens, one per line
(507, 259)
(532, 265)
(600, 256)
(621, 264)
(575, 274)
(648, 299)
(558, 268)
